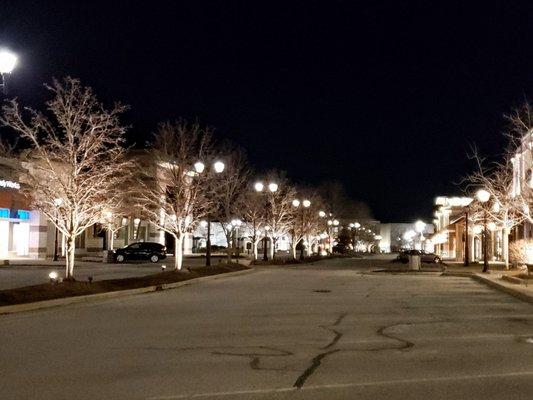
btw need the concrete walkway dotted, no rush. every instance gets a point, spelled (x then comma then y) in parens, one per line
(324, 331)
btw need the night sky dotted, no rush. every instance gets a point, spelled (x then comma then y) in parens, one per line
(385, 97)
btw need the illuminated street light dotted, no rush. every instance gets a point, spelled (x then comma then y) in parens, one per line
(357, 225)
(296, 203)
(306, 203)
(335, 222)
(321, 214)
(199, 167)
(219, 167)
(330, 222)
(482, 195)
(419, 226)
(259, 186)
(273, 187)
(8, 61)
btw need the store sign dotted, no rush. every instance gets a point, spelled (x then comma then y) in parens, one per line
(9, 184)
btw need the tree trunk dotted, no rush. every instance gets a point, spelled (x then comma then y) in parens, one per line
(69, 260)
(178, 252)
(111, 238)
(271, 250)
(255, 242)
(505, 245)
(293, 248)
(230, 246)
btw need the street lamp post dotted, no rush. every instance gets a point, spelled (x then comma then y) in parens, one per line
(218, 167)
(306, 204)
(483, 196)
(272, 188)
(8, 61)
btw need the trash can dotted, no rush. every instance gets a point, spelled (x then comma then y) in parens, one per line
(414, 262)
(108, 256)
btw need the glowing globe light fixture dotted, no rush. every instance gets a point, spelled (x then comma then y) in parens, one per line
(352, 225)
(219, 167)
(8, 60)
(296, 203)
(306, 203)
(321, 214)
(199, 167)
(357, 225)
(335, 222)
(330, 222)
(419, 226)
(482, 195)
(273, 187)
(259, 186)
(53, 276)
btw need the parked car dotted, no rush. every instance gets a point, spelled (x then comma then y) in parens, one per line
(425, 257)
(141, 251)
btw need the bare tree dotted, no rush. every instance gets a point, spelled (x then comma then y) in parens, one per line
(505, 207)
(175, 192)
(76, 158)
(254, 213)
(305, 220)
(279, 208)
(229, 193)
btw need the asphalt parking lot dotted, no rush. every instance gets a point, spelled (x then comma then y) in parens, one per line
(326, 331)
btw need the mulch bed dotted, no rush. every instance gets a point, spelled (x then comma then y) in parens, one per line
(49, 291)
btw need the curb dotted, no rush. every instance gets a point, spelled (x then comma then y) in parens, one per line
(461, 274)
(511, 288)
(38, 305)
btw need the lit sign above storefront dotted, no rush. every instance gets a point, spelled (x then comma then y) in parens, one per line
(9, 184)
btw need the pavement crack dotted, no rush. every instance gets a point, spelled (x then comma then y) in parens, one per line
(315, 363)
(255, 357)
(405, 344)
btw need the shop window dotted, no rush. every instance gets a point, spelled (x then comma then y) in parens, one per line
(4, 212)
(23, 214)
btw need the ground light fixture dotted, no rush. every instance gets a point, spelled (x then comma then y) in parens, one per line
(53, 276)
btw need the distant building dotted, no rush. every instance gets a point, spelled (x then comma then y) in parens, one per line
(396, 236)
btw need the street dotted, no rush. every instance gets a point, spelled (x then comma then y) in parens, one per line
(329, 330)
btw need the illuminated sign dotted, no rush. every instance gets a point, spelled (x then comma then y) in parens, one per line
(9, 184)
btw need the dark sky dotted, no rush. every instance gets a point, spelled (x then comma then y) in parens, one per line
(385, 97)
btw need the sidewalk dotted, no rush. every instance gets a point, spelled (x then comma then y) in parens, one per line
(514, 286)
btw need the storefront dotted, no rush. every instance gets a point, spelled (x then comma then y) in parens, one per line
(14, 218)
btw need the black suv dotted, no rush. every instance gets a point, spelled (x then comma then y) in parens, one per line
(141, 251)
